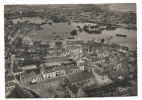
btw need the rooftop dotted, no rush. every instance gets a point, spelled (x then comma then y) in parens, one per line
(31, 76)
(73, 89)
(98, 59)
(49, 70)
(80, 76)
(17, 70)
(35, 70)
(9, 78)
(9, 84)
(55, 59)
(67, 68)
(121, 72)
(29, 67)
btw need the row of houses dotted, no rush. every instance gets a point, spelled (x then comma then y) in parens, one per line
(77, 42)
(48, 53)
(47, 73)
(44, 71)
(97, 61)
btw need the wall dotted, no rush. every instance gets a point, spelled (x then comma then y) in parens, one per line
(85, 83)
(28, 80)
(18, 73)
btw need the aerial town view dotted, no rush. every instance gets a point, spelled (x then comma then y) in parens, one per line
(70, 50)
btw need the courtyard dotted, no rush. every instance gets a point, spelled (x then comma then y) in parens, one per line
(48, 88)
(101, 79)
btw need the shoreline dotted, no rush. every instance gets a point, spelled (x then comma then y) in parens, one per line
(120, 7)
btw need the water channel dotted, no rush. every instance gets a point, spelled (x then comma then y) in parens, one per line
(49, 33)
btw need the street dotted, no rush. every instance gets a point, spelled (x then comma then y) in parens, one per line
(12, 60)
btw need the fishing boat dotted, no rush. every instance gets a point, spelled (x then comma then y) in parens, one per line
(46, 19)
(107, 39)
(26, 21)
(69, 23)
(78, 26)
(70, 37)
(57, 36)
(121, 35)
(110, 37)
(44, 23)
(50, 23)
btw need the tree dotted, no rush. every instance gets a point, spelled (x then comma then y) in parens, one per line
(102, 40)
(19, 40)
(73, 32)
(80, 30)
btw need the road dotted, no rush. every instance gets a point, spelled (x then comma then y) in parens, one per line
(99, 78)
(12, 60)
(15, 37)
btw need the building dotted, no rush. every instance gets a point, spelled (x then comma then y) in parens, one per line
(54, 52)
(9, 78)
(118, 66)
(81, 79)
(51, 72)
(132, 67)
(119, 73)
(123, 49)
(80, 64)
(58, 61)
(50, 52)
(74, 91)
(18, 71)
(58, 44)
(27, 67)
(52, 45)
(71, 69)
(9, 82)
(103, 68)
(9, 86)
(30, 78)
(44, 46)
(19, 58)
(75, 43)
(97, 61)
(31, 49)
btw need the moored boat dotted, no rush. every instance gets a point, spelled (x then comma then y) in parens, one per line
(121, 35)
(69, 23)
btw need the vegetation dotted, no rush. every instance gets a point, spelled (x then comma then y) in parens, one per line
(19, 40)
(102, 40)
(80, 29)
(58, 20)
(73, 32)
(110, 27)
